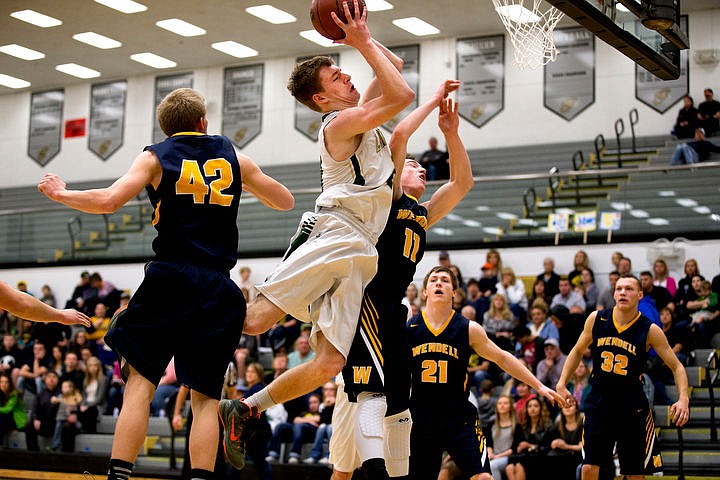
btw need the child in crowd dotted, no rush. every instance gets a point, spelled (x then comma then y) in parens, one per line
(65, 427)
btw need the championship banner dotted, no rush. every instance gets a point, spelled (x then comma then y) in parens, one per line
(481, 71)
(163, 86)
(569, 86)
(558, 222)
(610, 220)
(585, 222)
(242, 103)
(659, 94)
(308, 121)
(107, 118)
(410, 54)
(46, 109)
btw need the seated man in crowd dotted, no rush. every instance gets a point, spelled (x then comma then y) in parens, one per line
(698, 150)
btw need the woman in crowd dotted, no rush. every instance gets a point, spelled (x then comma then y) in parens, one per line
(579, 384)
(531, 442)
(94, 389)
(499, 321)
(514, 290)
(58, 359)
(580, 261)
(66, 420)
(12, 410)
(539, 292)
(566, 453)
(588, 289)
(499, 435)
(663, 278)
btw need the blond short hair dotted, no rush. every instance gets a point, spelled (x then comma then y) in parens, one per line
(180, 111)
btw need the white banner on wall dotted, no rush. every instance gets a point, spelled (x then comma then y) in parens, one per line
(163, 86)
(481, 70)
(107, 118)
(410, 55)
(242, 103)
(46, 116)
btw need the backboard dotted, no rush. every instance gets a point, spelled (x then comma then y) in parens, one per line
(646, 31)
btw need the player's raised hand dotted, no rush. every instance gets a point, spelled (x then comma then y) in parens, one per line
(680, 412)
(70, 316)
(448, 118)
(50, 184)
(553, 396)
(356, 29)
(445, 88)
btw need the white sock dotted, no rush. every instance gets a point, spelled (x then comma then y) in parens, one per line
(261, 400)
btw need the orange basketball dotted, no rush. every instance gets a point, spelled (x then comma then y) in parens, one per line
(323, 22)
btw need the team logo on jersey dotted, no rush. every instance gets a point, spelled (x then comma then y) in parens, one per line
(380, 141)
(405, 214)
(361, 374)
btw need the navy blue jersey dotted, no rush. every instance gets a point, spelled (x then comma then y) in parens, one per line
(197, 200)
(619, 353)
(400, 247)
(438, 362)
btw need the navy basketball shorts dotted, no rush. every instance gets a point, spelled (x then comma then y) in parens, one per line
(184, 311)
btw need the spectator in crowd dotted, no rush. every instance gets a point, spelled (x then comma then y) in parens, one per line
(280, 365)
(514, 290)
(499, 322)
(540, 324)
(444, 258)
(662, 276)
(550, 279)
(703, 311)
(124, 301)
(12, 410)
(51, 333)
(81, 293)
(531, 441)
(94, 389)
(588, 289)
(499, 435)
(458, 274)
(58, 360)
(302, 430)
(685, 291)
(478, 370)
(259, 428)
(624, 266)
(80, 341)
(569, 298)
(493, 258)
(22, 287)
(411, 294)
(566, 446)
(245, 284)
(246, 349)
(318, 454)
(687, 119)
(615, 259)
(660, 374)
(66, 419)
(435, 161)
(549, 370)
(488, 281)
(32, 370)
(41, 423)
(302, 353)
(115, 392)
(10, 355)
(539, 292)
(709, 113)
(606, 298)
(459, 300)
(48, 297)
(580, 261)
(283, 334)
(528, 346)
(486, 402)
(698, 150)
(523, 394)
(569, 325)
(72, 371)
(579, 384)
(660, 295)
(168, 387)
(716, 284)
(100, 323)
(106, 293)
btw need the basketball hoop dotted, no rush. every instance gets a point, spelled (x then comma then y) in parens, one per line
(531, 30)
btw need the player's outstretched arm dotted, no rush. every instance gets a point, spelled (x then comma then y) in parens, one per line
(29, 308)
(144, 171)
(263, 187)
(373, 89)
(574, 357)
(484, 347)
(461, 179)
(395, 92)
(679, 410)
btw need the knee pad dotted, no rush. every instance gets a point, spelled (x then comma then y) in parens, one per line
(369, 426)
(397, 443)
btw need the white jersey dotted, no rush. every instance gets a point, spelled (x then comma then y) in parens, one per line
(361, 185)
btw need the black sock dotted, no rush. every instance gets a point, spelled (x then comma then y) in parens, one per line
(374, 469)
(199, 474)
(119, 469)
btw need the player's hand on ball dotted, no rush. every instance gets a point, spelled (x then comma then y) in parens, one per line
(356, 30)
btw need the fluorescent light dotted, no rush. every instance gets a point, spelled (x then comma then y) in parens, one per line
(702, 210)
(482, 208)
(96, 40)
(658, 222)
(416, 26)
(666, 193)
(21, 52)
(569, 211)
(621, 8)
(517, 14)
(493, 230)
(152, 60)
(124, 6)
(378, 5)
(12, 82)
(181, 27)
(506, 216)
(37, 19)
(77, 70)
(686, 202)
(315, 37)
(637, 213)
(472, 223)
(271, 14)
(235, 49)
(620, 206)
(445, 232)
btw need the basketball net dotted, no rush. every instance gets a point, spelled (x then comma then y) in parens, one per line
(530, 29)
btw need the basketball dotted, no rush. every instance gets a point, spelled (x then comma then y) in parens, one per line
(323, 22)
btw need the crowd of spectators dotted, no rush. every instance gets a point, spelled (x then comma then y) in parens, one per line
(55, 382)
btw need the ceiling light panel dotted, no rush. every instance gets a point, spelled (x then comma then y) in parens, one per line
(234, 49)
(21, 52)
(12, 82)
(378, 5)
(181, 27)
(96, 40)
(124, 6)
(315, 37)
(417, 27)
(36, 18)
(77, 70)
(152, 60)
(271, 14)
